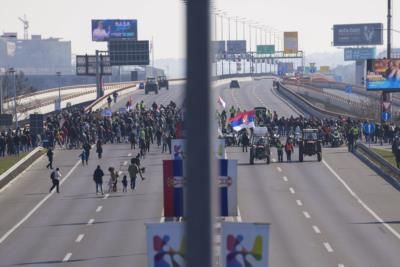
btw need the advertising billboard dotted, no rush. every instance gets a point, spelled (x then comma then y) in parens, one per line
(324, 69)
(358, 34)
(291, 42)
(359, 53)
(383, 74)
(104, 30)
(236, 47)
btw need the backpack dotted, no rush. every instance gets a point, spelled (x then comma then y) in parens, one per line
(52, 176)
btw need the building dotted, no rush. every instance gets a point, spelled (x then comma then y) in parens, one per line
(35, 56)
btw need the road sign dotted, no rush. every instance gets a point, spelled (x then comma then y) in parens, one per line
(369, 128)
(386, 105)
(348, 89)
(129, 53)
(265, 49)
(6, 119)
(236, 46)
(386, 116)
(86, 65)
(359, 53)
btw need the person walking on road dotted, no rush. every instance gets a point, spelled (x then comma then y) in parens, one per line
(50, 155)
(245, 141)
(112, 183)
(55, 179)
(279, 149)
(98, 179)
(87, 148)
(124, 184)
(289, 150)
(133, 171)
(83, 157)
(99, 149)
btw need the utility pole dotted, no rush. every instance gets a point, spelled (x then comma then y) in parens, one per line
(58, 73)
(12, 72)
(387, 97)
(229, 38)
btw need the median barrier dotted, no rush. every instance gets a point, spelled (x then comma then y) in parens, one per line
(20, 166)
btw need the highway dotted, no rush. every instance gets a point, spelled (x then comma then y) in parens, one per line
(337, 212)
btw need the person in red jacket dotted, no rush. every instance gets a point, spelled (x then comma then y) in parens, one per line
(289, 150)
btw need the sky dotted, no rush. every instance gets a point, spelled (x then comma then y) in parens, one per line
(164, 20)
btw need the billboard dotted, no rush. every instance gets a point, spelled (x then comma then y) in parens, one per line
(383, 74)
(359, 53)
(265, 49)
(284, 68)
(358, 34)
(236, 47)
(291, 42)
(106, 29)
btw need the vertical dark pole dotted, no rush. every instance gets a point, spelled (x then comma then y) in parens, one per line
(198, 117)
(98, 84)
(387, 97)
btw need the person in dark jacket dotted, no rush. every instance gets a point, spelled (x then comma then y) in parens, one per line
(98, 179)
(245, 141)
(50, 155)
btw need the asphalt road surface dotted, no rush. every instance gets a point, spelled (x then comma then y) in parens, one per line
(336, 212)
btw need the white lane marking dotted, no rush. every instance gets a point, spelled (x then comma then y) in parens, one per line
(90, 222)
(99, 208)
(340, 265)
(299, 203)
(328, 247)
(285, 178)
(306, 214)
(292, 190)
(130, 154)
(239, 217)
(106, 196)
(67, 257)
(316, 229)
(125, 163)
(27, 216)
(79, 238)
(279, 169)
(359, 200)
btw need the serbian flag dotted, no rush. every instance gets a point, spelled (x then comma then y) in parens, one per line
(174, 183)
(221, 102)
(243, 120)
(227, 183)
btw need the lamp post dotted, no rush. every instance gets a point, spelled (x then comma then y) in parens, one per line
(58, 73)
(12, 72)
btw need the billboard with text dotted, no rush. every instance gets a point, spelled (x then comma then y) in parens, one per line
(383, 74)
(358, 34)
(104, 30)
(236, 47)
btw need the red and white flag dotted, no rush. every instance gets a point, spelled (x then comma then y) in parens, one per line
(221, 102)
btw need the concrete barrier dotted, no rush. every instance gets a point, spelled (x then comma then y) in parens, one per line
(20, 166)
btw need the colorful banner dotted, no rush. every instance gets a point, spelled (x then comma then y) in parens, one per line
(227, 183)
(178, 148)
(174, 180)
(106, 29)
(166, 245)
(244, 245)
(291, 42)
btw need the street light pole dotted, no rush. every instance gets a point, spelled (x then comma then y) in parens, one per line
(58, 73)
(12, 72)
(387, 97)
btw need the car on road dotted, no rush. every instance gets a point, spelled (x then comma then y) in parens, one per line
(141, 86)
(310, 144)
(234, 84)
(151, 86)
(163, 82)
(259, 145)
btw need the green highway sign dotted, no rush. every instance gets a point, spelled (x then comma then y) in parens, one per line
(265, 49)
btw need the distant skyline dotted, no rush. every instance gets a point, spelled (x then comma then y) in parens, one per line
(164, 20)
